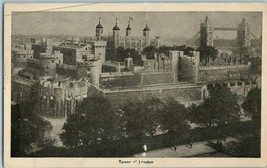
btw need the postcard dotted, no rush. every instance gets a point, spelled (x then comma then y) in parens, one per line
(135, 85)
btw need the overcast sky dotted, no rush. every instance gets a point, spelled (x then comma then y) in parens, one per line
(163, 24)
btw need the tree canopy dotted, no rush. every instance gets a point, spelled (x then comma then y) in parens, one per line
(221, 107)
(144, 119)
(151, 50)
(141, 118)
(173, 117)
(94, 122)
(252, 104)
(207, 53)
(122, 53)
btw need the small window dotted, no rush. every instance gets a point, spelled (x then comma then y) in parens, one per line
(59, 61)
(53, 61)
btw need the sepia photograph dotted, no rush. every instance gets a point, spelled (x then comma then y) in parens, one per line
(135, 84)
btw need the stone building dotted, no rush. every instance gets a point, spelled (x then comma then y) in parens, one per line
(59, 98)
(45, 45)
(243, 34)
(75, 52)
(206, 33)
(128, 41)
(20, 56)
(47, 63)
(161, 62)
(117, 40)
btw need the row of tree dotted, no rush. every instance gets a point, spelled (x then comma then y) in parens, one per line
(96, 122)
(98, 126)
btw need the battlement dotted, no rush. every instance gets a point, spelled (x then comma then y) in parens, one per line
(99, 43)
(110, 74)
(63, 84)
(23, 81)
(224, 67)
(23, 51)
(187, 57)
(46, 56)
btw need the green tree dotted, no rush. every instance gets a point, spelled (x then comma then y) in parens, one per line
(122, 53)
(173, 117)
(93, 123)
(207, 53)
(141, 118)
(252, 104)
(150, 51)
(220, 108)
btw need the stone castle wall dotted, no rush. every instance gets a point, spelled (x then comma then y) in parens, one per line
(135, 80)
(181, 94)
(226, 73)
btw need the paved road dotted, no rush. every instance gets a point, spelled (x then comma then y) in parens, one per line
(184, 151)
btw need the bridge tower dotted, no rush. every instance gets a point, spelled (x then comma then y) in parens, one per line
(206, 33)
(243, 34)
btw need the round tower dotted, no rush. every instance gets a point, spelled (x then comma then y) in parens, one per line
(99, 30)
(48, 65)
(116, 35)
(95, 72)
(146, 35)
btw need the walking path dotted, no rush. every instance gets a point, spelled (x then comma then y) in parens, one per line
(198, 148)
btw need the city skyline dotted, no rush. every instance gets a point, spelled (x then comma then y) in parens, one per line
(83, 23)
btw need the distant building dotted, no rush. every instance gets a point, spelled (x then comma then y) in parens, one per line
(74, 53)
(206, 33)
(44, 46)
(128, 41)
(243, 34)
(161, 62)
(20, 56)
(207, 30)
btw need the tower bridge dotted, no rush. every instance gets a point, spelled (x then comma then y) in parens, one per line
(224, 29)
(207, 29)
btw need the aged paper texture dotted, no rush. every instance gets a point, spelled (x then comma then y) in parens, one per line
(135, 85)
